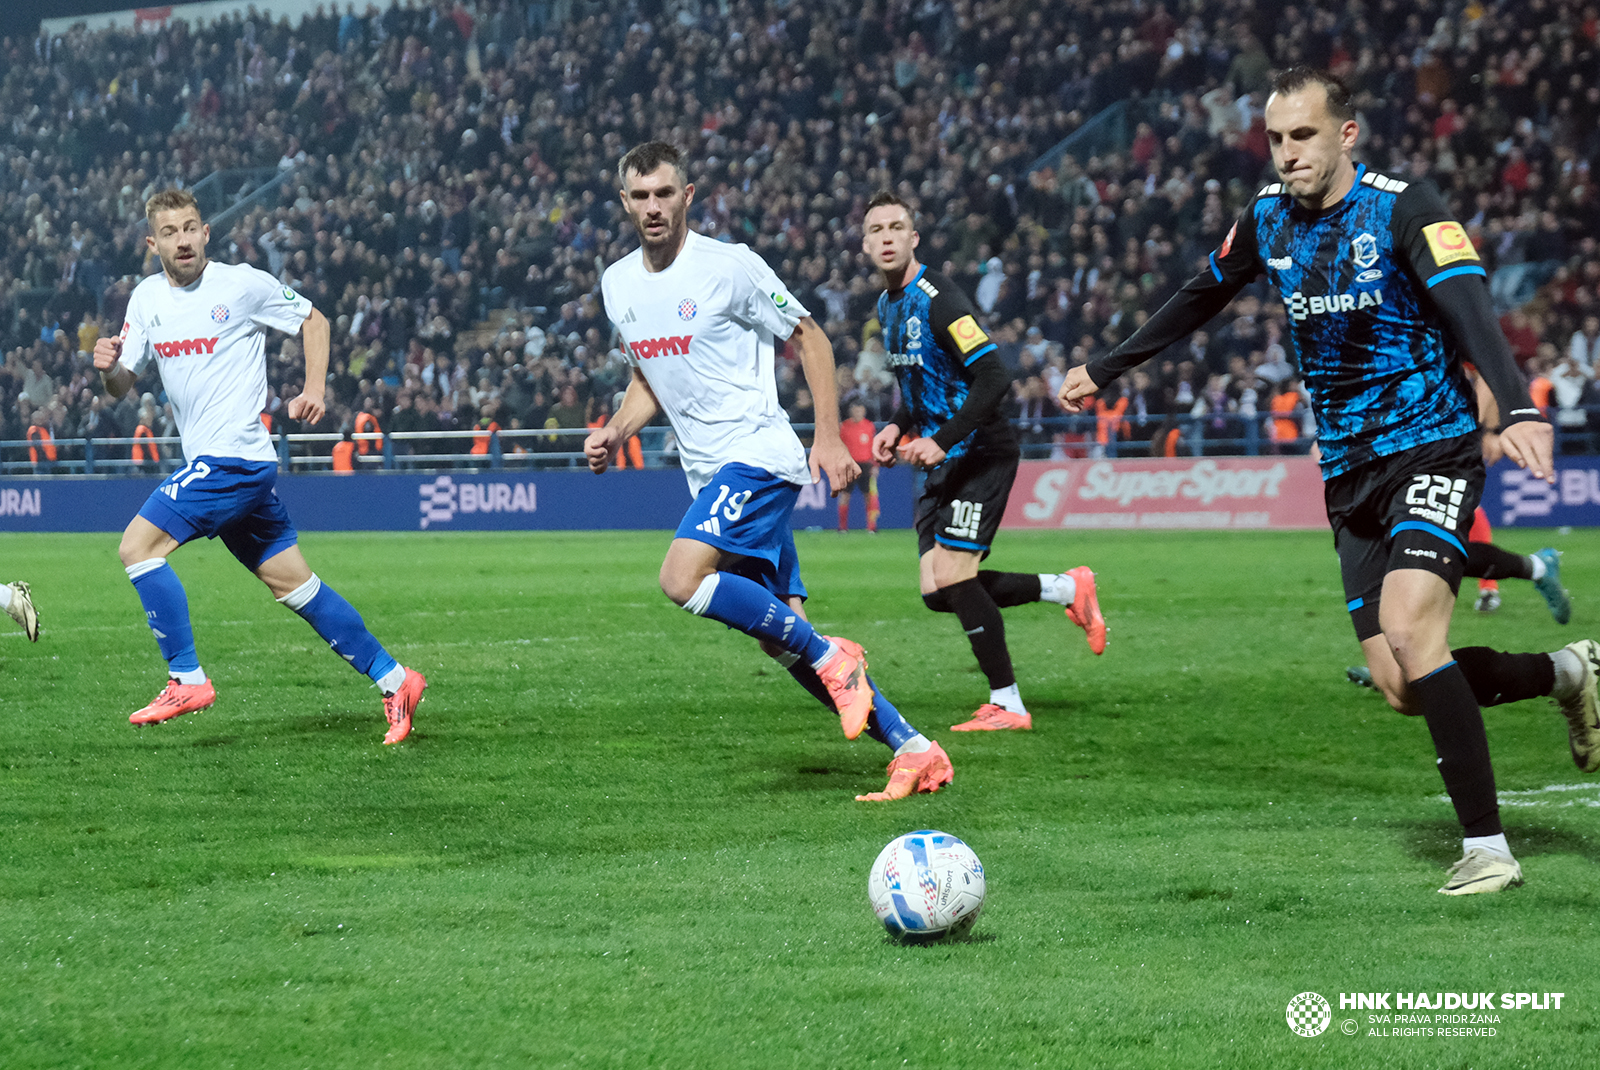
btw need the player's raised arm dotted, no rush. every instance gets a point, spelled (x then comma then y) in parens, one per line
(114, 376)
(828, 451)
(639, 406)
(310, 405)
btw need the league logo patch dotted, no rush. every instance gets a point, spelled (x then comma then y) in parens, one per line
(780, 300)
(1448, 242)
(219, 314)
(687, 309)
(1227, 243)
(967, 335)
(1365, 251)
(289, 294)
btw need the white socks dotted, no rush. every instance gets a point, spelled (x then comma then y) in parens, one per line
(915, 745)
(1008, 698)
(1059, 588)
(1569, 674)
(390, 681)
(1493, 844)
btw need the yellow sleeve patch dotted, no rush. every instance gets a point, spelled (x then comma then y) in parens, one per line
(1448, 242)
(967, 335)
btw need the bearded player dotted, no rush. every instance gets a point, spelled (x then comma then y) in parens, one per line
(204, 324)
(700, 321)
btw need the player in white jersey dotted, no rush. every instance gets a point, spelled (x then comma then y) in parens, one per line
(203, 324)
(701, 321)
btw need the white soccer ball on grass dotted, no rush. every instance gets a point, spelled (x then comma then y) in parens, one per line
(926, 885)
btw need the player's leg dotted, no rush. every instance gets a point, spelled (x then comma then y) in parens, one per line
(144, 549)
(1481, 536)
(17, 600)
(1401, 574)
(957, 517)
(744, 512)
(949, 580)
(1073, 589)
(918, 764)
(1415, 617)
(872, 498)
(844, 507)
(1570, 675)
(266, 543)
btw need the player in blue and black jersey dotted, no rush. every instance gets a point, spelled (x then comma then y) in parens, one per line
(1386, 297)
(952, 386)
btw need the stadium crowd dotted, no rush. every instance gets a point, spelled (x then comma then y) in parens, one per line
(446, 195)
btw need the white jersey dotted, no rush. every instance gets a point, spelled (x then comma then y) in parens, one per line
(704, 333)
(208, 342)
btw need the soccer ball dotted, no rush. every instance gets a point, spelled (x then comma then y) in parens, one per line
(926, 885)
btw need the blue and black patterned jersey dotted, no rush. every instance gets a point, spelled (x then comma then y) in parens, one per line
(931, 332)
(1383, 374)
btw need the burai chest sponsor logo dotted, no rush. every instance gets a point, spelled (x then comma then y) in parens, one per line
(649, 348)
(186, 347)
(1301, 307)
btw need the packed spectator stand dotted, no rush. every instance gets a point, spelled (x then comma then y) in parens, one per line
(440, 181)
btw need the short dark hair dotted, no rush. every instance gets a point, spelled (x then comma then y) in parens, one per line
(1297, 78)
(886, 196)
(642, 159)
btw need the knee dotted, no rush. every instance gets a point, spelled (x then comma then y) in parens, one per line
(133, 550)
(680, 585)
(937, 601)
(1407, 647)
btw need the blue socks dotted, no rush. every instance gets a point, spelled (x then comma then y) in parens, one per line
(166, 609)
(746, 605)
(342, 627)
(884, 723)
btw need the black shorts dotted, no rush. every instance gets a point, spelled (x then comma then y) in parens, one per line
(962, 502)
(1408, 510)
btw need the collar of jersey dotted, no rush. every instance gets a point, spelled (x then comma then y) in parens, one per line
(1343, 202)
(922, 269)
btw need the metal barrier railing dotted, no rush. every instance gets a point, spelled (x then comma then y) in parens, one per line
(1044, 438)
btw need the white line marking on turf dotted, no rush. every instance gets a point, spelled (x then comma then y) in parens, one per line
(1550, 796)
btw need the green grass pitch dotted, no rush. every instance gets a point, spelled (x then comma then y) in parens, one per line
(620, 838)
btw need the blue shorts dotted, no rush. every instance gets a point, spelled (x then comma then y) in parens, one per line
(226, 498)
(745, 511)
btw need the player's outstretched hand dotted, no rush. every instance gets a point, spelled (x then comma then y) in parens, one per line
(922, 452)
(600, 447)
(1074, 388)
(883, 445)
(306, 408)
(1531, 444)
(106, 353)
(828, 454)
